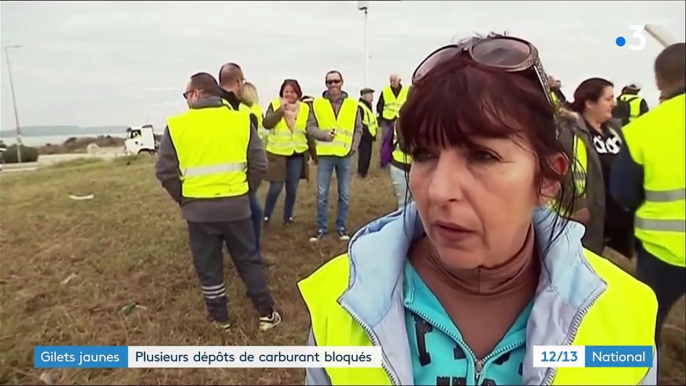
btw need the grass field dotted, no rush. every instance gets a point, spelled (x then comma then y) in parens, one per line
(129, 244)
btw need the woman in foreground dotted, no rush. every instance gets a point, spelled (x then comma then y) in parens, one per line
(459, 286)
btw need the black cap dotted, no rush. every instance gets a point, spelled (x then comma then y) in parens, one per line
(366, 90)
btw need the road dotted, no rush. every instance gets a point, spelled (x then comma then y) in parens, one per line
(51, 159)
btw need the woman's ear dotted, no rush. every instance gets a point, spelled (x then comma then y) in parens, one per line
(550, 188)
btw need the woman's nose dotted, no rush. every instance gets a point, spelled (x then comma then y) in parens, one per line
(449, 180)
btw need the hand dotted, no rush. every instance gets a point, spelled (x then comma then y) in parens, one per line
(328, 137)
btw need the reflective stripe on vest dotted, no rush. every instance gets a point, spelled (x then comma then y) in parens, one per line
(656, 142)
(344, 126)
(284, 141)
(212, 160)
(369, 119)
(398, 155)
(392, 105)
(624, 314)
(634, 102)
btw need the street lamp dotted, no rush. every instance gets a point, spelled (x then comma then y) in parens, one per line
(14, 100)
(364, 6)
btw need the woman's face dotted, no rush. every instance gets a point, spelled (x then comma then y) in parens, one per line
(602, 109)
(290, 94)
(476, 205)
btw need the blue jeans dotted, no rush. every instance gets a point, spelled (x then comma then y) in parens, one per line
(256, 218)
(327, 165)
(294, 166)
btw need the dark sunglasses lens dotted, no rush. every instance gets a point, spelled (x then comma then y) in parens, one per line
(333, 81)
(436, 58)
(501, 53)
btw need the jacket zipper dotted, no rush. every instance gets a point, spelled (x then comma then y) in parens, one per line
(482, 362)
(375, 342)
(550, 373)
(478, 364)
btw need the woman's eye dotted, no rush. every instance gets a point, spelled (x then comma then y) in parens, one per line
(422, 155)
(482, 157)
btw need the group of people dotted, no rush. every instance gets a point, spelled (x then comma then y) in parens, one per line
(217, 190)
(503, 212)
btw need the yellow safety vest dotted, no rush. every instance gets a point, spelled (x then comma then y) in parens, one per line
(656, 142)
(579, 170)
(397, 154)
(555, 99)
(611, 321)
(392, 105)
(212, 160)
(369, 119)
(634, 102)
(344, 125)
(283, 141)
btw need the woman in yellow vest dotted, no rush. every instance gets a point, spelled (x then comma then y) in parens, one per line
(460, 286)
(250, 98)
(287, 148)
(607, 223)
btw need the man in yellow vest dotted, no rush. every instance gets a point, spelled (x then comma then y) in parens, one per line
(341, 116)
(388, 107)
(629, 104)
(210, 159)
(369, 129)
(648, 177)
(231, 79)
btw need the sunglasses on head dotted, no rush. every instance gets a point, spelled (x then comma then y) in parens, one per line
(333, 81)
(505, 53)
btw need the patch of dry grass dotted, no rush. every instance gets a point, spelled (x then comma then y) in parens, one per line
(129, 244)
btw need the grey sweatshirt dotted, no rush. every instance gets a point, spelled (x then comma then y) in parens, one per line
(224, 209)
(316, 132)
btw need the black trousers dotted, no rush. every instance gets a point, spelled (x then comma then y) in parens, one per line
(364, 155)
(206, 242)
(667, 281)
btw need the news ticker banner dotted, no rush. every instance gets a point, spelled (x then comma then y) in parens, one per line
(174, 357)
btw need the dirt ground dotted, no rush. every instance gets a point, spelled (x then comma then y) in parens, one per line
(129, 244)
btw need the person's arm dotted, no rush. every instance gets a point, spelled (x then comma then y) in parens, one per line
(313, 130)
(357, 134)
(257, 160)
(379, 106)
(167, 167)
(644, 107)
(315, 376)
(271, 117)
(651, 375)
(626, 182)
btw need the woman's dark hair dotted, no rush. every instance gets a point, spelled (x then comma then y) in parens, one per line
(460, 98)
(294, 85)
(589, 90)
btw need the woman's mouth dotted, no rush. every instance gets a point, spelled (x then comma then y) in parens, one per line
(452, 232)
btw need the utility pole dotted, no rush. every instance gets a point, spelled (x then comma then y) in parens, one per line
(14, 101)
(364, 6)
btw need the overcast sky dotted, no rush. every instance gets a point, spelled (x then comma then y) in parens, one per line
(122, 63)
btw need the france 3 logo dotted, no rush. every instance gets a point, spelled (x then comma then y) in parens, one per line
(638, 38)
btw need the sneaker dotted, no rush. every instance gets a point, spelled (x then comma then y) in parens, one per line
(288, 221)
(320, 233)
(269, 322)
(343, 235)
(265, 221)
(223, 326)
